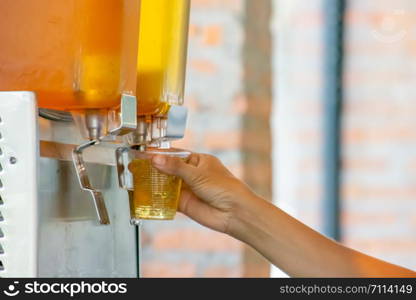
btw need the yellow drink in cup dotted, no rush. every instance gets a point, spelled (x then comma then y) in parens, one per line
(156, 195)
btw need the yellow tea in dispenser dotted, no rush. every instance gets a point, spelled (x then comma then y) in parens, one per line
(162, 54)
(156, 195)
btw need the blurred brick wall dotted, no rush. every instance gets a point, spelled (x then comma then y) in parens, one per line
(379, 154)
(229, 119)
(380, 130)
(297, 122)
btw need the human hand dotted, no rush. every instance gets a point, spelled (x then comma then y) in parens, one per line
(211, 195)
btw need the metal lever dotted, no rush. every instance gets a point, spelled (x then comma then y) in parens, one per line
(86, 185)
(176, 122)
(125, 179)
(128, 118)
(128, 123)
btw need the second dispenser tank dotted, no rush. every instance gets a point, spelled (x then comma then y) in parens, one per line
(162, 55)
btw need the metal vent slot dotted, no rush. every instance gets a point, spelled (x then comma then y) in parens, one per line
(19, 240)
(1, 203)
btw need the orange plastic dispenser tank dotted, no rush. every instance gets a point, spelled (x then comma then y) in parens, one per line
(162, 54)
(75, 54)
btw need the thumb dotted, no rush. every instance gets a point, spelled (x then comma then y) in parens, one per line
(175, 166)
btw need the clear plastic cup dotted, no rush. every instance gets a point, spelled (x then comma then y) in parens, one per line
(155, 194)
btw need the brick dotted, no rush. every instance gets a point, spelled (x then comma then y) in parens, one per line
(203, 66)
(153, 269)
(223, 140)
(358, 192)
(373, 77)
(380, 108)
(411, 166)
(379, 135)
(232, 5)
(311, 136)
(307, 108)
(365, 164)
(382, 246)
(256, 266)
(213, 35)
(192, 103)
(361, 219)
(222, 272)
(240, 105)
(258, 107)
(145, 238)
(187, 239)
(206, 36)
(309, 192)
(258, 141)
(193, 31)
(310, 164)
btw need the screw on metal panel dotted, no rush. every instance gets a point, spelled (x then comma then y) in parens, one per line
(13, 160)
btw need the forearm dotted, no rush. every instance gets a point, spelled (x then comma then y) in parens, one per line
(300, 251)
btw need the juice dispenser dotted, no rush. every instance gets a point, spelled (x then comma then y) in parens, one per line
(76, 74)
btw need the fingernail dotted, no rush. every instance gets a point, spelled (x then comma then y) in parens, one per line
(159, 160)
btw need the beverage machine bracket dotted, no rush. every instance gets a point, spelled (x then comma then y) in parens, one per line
(128, 123)
(177, 119)
(175, 130)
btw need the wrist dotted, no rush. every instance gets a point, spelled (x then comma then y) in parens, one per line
(247, 218)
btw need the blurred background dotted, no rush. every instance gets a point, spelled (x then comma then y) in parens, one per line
(311, 103)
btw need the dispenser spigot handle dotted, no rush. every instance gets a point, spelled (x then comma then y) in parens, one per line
(84, 181)
(127, 124)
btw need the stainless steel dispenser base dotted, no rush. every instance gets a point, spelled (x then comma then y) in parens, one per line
(49, 226)
(71, 244)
